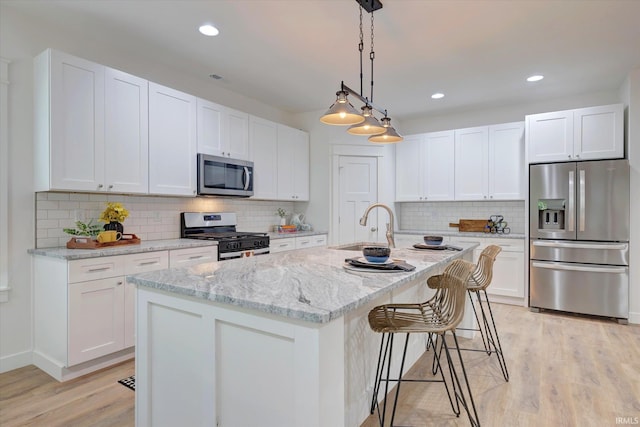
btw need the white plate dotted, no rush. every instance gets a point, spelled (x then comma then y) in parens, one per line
(364, 261)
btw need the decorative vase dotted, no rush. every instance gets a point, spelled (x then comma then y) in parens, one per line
(283, 221)
(114, 225)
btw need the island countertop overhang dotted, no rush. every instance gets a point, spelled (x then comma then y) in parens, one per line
(309, 285)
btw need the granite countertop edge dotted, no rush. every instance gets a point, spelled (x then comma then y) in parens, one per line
(451, 233)
(145, 246)
(214, 282)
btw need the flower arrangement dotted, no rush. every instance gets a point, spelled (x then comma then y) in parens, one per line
(84, 229)
(281, 213)
(114, 212)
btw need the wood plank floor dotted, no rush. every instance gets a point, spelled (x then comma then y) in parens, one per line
(564, 371)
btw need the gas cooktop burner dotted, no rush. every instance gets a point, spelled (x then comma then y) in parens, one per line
(229, 235)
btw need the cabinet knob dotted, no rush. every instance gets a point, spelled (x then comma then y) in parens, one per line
(577, 155)
(485, 197)
(100, 185)
(120, 282)
(111, 187)
(374, 229)
(491, 197)
(569, 156)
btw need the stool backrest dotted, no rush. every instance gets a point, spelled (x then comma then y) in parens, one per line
(481, 277)
(452, 291)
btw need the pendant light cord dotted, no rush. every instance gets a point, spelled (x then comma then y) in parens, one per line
(361, 49)
(372, 55)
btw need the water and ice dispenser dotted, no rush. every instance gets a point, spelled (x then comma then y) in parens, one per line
(551, 213)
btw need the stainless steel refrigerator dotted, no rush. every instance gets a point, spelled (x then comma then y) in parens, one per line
(579, 237)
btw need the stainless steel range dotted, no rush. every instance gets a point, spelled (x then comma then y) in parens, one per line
(221, 227)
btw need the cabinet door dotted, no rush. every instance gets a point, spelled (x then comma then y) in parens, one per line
(301, 165)
(506, 161)
(96, 319)
(293, 164)
(550, 137)
(126, 157)
(77, 123)
(508, 275)
(236, 134)
(263, 146)
(438, 159)
(471, 163)
(599, 132)
(210, 135)
(409, 171)
(172, 142)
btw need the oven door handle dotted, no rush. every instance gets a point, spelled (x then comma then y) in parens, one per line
(580, 267)
(246, 177)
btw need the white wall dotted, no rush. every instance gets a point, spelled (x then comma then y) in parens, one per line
(21, 39)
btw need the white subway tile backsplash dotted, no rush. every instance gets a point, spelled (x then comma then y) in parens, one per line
(150, 217)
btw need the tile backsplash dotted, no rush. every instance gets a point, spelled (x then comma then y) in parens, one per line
(436, 216)
(150, 217)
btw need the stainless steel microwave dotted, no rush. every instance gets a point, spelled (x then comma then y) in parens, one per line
(222, 176)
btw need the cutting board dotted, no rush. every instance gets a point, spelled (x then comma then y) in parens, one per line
(478, 225)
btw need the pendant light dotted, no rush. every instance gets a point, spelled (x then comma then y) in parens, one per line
(388, 136)
(343, 113)
(369, 126)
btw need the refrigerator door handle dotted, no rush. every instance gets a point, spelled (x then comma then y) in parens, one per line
(572, 202)
(572, 245)
(580, 267)
(581, 206)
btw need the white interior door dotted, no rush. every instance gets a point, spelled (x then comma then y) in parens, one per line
(358, 188)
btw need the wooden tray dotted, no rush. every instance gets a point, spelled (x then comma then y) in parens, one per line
(87, 243)
(476, 225)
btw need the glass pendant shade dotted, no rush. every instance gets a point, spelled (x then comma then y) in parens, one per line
(388, 136)
(370, 125)
(342, 112)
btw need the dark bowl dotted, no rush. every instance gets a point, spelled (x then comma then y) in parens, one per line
(376, 253)
(433, 240)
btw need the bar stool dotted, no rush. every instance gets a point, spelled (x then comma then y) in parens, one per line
(477, 284)
(440, 314)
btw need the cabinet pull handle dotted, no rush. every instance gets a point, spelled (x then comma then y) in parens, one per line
(95, 270)
(196, 256)
(120, 282)
(147, 263)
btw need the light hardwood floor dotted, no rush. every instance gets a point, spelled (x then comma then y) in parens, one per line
(564, 371)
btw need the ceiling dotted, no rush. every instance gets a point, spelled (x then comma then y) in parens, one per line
(292, 54)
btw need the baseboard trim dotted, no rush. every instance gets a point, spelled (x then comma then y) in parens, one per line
(634, 317)
(60, 373)
(15, 361)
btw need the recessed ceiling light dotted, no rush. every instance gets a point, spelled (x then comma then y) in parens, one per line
(535, 78)
(437, 95)
(208, 30)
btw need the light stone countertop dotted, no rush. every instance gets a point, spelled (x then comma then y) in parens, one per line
(144, 246)
(276, 235)
(309, 284)
(452, 233)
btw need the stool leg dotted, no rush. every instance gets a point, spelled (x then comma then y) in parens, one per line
(496, 344)
(475, 313)
(395, 401)
(473, 420)
(379, 369)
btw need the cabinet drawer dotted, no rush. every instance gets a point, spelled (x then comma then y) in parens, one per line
(186, 257)
(281, 245)
(151, 261)
(310, 241)
(95, 268)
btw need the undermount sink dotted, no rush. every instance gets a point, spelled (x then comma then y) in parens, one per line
(356, 246)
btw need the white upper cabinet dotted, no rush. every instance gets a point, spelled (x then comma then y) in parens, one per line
(236, 133)
(91, 126)
(222, 131)
(263, 145)
(172, 141)
(490, 162)
(210, 118)
(583, 134)
(69, 123)
(293, 164)
(472, 163)
(126, 153)
(506, 161)
(425, 167)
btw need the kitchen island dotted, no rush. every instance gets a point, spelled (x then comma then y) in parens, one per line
(274, 340)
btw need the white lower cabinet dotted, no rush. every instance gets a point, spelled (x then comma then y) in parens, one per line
(84, 311)
(508, 281)
(291, 243)
(190, 256)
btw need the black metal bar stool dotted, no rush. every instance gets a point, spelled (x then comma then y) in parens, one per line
(477, 284)
(440, 314)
